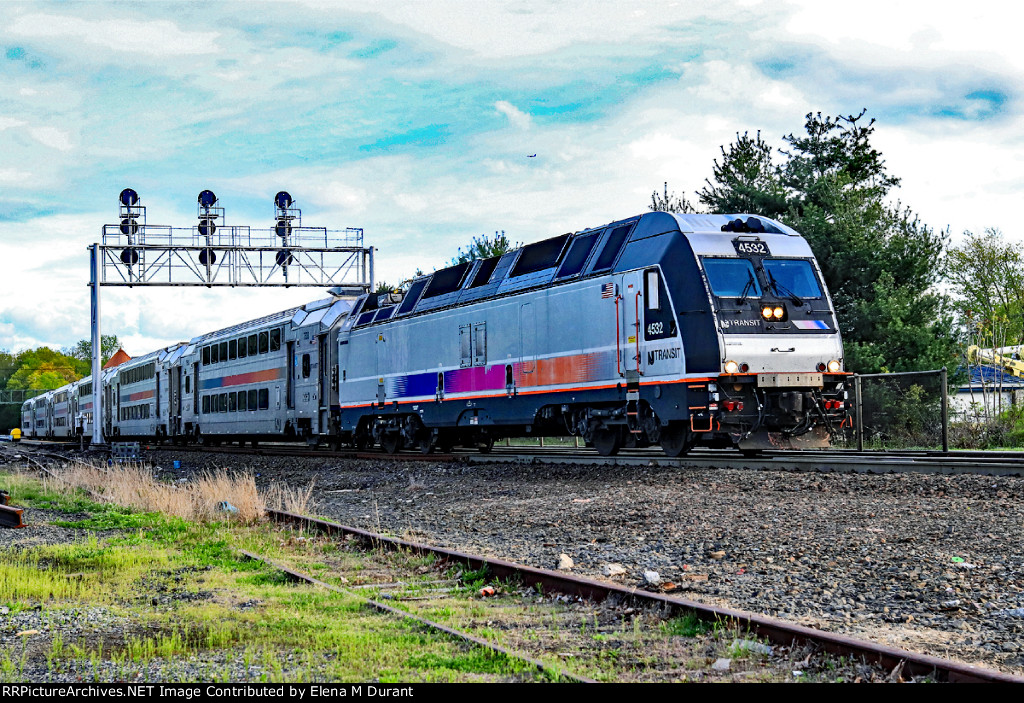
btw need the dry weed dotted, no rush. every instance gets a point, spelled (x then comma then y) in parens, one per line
(293, 500)
(203, 499)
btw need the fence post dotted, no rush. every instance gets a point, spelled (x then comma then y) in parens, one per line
(945, 411)
(860, 413)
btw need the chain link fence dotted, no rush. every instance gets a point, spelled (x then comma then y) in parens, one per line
(907, 410)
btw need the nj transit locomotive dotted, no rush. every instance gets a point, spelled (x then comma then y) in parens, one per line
(664, 329)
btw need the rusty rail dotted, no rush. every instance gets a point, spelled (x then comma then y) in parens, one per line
(777, 631)
(458, 634)
(11, 517)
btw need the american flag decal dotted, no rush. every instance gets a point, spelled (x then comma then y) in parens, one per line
(608, 290)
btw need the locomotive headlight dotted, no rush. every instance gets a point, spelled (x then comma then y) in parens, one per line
(833, 366)
(778, 312)
(766, 313)
(731, 367)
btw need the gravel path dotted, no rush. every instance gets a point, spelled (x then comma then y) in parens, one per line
(930, 563)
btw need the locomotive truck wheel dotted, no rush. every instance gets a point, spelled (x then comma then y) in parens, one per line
(425, 444)
(607, 441)
(485, 445)
(676, 440)
(391, 442)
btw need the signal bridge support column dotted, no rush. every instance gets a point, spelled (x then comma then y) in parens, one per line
(95, 261)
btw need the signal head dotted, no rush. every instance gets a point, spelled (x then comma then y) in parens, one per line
(207, 199)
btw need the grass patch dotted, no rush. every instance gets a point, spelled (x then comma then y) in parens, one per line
(175, 597)
(686, 625)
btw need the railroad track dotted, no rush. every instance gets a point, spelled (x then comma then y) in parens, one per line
(776, 631)
(994, 463)
(987, 463)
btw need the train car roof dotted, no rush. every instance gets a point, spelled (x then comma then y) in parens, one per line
(565, 257)
(694, 222)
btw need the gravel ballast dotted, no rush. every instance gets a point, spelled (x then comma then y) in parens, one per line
(929, 563)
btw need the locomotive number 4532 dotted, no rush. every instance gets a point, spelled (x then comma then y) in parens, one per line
(747, 248)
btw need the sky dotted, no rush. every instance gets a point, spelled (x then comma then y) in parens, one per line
(416, 121)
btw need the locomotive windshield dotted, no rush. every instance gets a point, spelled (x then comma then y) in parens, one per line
(732, 278)
(792, 277)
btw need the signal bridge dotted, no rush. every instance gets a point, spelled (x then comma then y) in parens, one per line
(212, 253)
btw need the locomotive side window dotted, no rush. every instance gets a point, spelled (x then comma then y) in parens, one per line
(578, 254)
(651, 291)
(252, 345)
(206, 356)
(222, 403)
(305, 366)
(610, 252)
(241, 347)
(232, 348)
(241, 400)
(264, 398)
(264, 342)
(483, 274)
(252, 400)
(214, 353)
(188, 385)
(732, 278)
(206, 404)
(223, 351)
(659, 323)
(275, 339)
(539, 256)
(232, 403)
(446, 280)
(409, 302)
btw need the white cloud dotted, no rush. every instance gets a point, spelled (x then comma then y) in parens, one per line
(13, 175)
(516, 116)
(151, 37)
(52, 137)
(9, 122)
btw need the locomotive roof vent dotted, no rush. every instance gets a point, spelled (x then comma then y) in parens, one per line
(752, 225)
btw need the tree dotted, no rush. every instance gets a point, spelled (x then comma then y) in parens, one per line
(43, 369)
(986, 278)
(879, 260)
(670, 202)
(746, 180)
(484, 247)
(109, 344)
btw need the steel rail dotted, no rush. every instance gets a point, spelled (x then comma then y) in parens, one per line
(828, 461)
(384, 608)
(11, 517)
(777, 631)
